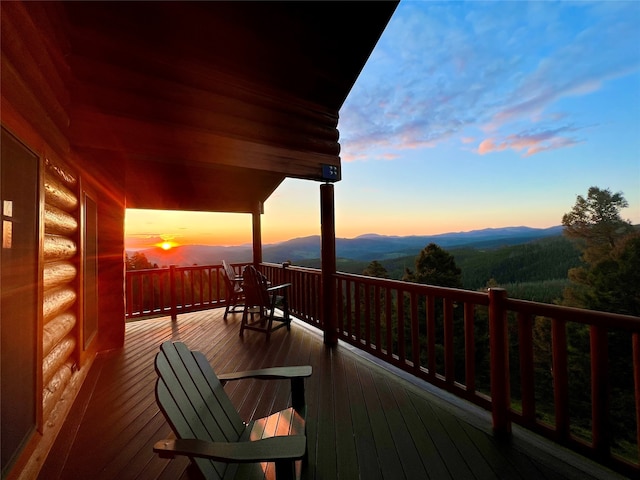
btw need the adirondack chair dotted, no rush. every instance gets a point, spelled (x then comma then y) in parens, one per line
(233, 286)
(262, 303)
(209, 429)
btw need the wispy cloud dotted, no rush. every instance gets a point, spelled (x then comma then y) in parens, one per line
(531, 142)
(442, 69)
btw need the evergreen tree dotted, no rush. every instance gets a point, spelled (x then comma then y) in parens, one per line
(435, 266)
(607, 247)
(138, 261)
(375, 269)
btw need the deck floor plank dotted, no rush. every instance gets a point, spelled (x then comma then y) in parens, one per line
(433, 462)
(368, 462)
(346, 449)
(364, 420)
(389, 460)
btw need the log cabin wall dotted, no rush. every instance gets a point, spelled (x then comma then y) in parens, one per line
(36, 82)
(60, 283)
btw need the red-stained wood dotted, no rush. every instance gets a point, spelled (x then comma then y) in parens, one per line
(636, 384)
(498, 341)
(415, 333)
(328, 253)
(600, 391)
(560, 378)
(431, 337)
(449, 366)
(525, 338)
(469, 348)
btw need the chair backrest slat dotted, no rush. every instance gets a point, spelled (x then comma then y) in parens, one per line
(255, 288)
(229, 275)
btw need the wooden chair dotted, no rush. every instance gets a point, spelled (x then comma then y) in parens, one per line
(208, 427)
(262, 303)
(234, 291)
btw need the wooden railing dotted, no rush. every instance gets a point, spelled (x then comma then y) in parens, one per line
(304, 293)
(174, 290)
(515, 358)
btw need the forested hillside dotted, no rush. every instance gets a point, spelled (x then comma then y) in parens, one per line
(532, 271)
(546, 259)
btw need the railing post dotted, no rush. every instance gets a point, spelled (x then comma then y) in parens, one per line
(257, 234)
(172, 292)
(499, 357)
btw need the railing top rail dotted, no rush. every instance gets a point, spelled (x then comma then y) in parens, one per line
(314, 271)
(480, 298)
(148, 271)
(578, 315)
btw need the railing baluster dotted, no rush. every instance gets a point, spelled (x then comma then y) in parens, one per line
(636, 385)
(377, 317)
(560, 378)
(349, 316)
(431, 336)
(389, 330)
(449, 365)
(469, 348)
(367, 316)
(357, 304)
(525, 340)
(415, 333)
(401, 341)
(600, 391)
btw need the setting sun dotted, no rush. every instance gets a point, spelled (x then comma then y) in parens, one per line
(166, 245)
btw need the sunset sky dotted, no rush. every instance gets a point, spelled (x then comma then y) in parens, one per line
(466, 116)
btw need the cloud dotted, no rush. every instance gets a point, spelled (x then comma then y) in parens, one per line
(531, 142)
(442, 69)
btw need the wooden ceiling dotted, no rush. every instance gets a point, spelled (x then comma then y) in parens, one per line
(212, 104)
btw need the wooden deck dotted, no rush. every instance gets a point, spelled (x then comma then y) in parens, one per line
(364, 420)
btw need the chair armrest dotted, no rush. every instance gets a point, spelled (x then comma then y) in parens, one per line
(266, 450)
(273, 373)
(297, 374)
(278, 287)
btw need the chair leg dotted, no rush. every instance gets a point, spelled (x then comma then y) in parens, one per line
(244, 321)
(285, 470)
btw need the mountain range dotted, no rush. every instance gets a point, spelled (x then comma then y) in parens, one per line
(366, 247)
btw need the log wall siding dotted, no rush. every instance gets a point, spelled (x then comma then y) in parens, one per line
(56, 329)
(59, 222)
(58, 273)
(60, 280)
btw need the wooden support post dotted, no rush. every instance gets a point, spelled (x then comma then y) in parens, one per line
(172, 292)
(328, 254)
(499, 346)
(257, 234)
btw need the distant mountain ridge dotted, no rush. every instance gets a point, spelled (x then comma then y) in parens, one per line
(365, 247)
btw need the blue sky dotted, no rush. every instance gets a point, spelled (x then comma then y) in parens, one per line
(472, 115)
(489, 114)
